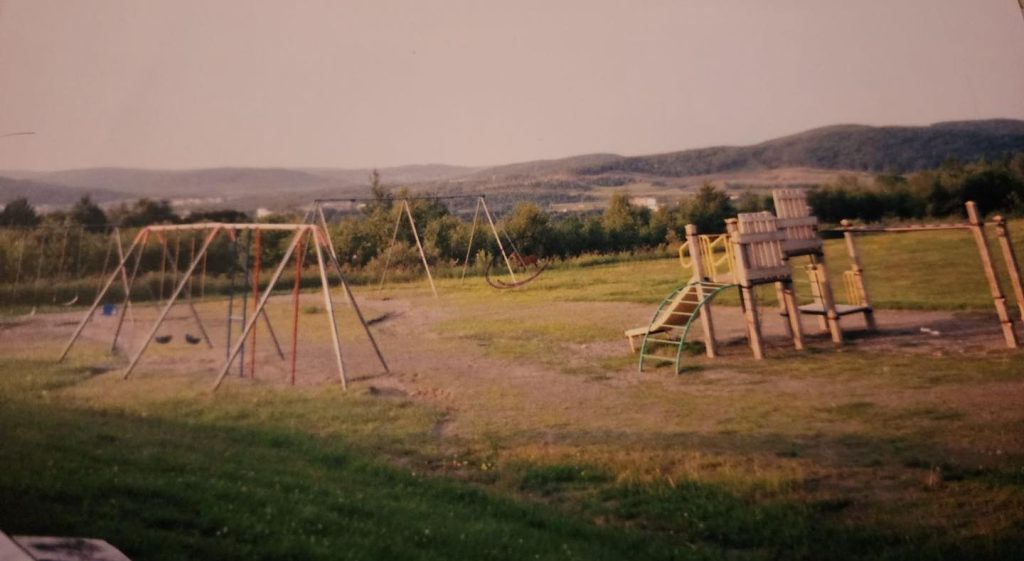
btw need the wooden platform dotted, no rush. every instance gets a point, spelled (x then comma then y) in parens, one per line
(841, 309)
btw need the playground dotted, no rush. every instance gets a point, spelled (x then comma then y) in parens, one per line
(905, 441)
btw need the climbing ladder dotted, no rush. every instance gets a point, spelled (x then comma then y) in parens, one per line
(671, 323)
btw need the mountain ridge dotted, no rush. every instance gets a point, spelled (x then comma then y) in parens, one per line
(829, 149)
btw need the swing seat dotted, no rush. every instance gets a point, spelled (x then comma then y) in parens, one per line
(163, 339)
(192, 339)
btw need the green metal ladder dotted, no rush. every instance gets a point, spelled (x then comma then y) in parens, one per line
(660, 335)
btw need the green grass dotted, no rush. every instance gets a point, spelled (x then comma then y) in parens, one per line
(189, 488)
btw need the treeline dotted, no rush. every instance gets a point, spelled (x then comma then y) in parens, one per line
(995, 186)
(362, 237)
(19, 213)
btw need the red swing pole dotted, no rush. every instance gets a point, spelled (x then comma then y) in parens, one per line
(300, 256)
(257, 250)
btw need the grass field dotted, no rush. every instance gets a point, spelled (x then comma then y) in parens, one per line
(523, 432)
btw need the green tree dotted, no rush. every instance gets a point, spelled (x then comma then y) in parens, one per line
(146, 212)
(708, 209)
(88, 215)
(530, 228)
(623, 222)
(19, 213)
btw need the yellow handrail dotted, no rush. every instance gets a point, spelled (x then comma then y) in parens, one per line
(684, 259)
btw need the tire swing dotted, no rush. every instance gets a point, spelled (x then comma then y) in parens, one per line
(529, 265)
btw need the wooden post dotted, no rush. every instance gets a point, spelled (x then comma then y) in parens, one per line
(263, 302)
(472, 232)
(978, 228)
(706, 320)
(99, 296)
(497, 238)
(170, 303)
(787, 322)
(792, 314)
(335, 336)
(828, 299)
(858, 275)
(1010, 257)
(423, 255)
(747, 292)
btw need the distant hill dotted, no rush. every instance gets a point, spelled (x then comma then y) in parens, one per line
(842, 147)
(806, 158)
(40, 193)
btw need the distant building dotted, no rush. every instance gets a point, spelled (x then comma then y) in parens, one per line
(263, 212)
(645, 202)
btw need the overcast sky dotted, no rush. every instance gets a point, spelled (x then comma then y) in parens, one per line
(184, 84)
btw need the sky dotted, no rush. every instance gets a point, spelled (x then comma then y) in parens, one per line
(376, 83)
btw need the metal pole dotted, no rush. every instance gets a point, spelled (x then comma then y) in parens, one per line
(263, 302)
(359, 313)
(170, 302)
(387, 260)
(423, 255)
(472, 232)
(335, 336)
(497, 238)
(129, 283)
(99, 298)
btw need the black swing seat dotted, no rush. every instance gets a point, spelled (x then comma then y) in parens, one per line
(192, 339)
(163, 339)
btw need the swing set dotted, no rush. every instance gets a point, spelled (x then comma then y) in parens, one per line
(303, 238)
(530, 266)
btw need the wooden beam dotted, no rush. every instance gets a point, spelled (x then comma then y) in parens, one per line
(1010, 257)
(706, 319)
(981, 240)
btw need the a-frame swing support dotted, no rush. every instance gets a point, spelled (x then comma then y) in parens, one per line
(300, 231)
(407, 212)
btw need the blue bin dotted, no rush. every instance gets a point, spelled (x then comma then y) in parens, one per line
(109, 309)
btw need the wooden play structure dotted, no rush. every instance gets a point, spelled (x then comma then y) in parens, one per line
(755, 258)
(303, 237)
(976, 226)
(801, 238)
(757, 249)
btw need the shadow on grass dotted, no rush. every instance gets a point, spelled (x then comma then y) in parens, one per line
(174, 490)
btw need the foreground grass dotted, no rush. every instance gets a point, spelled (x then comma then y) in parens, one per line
(180, 489)
(218, 484)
